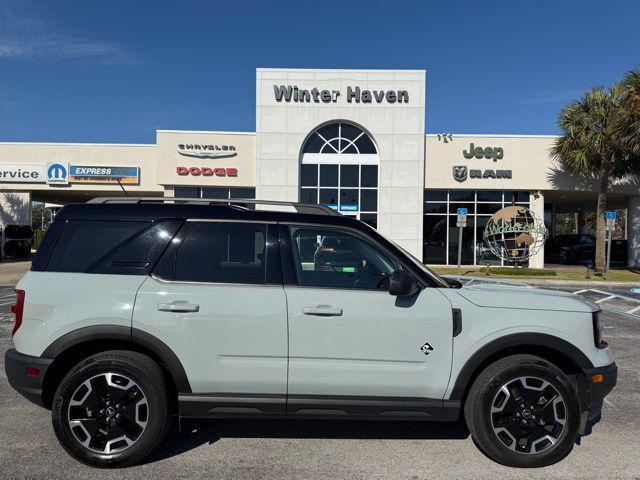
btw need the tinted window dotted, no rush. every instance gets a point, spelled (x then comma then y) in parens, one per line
(309, 175)
(349, 175)
(331, 258)
(82, 243)
(369, 176)
(223, 253)
(186, 192)
(138, 255)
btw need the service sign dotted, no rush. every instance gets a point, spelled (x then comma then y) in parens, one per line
(104, 174)
(22, 174)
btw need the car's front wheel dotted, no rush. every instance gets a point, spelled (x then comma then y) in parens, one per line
(111, 409)
(523, 411)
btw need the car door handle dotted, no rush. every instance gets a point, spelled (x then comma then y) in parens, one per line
(323, 311)
(178, 307)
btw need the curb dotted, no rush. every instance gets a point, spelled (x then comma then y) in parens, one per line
(535, 281)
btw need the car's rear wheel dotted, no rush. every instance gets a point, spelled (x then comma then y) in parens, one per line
(111, 410)
(523, 411)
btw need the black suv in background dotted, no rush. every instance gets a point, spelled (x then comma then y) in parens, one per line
(580, 249)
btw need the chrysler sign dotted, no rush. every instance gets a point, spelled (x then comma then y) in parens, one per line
(206, 151)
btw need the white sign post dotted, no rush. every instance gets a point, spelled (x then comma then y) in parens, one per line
(611, 226)
(461, 223)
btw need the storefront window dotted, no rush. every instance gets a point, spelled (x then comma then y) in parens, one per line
(339, 168)
(440, 233)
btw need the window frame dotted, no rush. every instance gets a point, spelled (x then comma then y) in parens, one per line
(289, 256)
(163, 271)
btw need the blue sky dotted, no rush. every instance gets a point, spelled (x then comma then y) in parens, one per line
(114, 71)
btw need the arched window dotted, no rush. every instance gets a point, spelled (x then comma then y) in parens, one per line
(339, 168)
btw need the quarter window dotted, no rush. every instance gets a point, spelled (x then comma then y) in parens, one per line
(332, 258)
(219, 252)
(83, 243)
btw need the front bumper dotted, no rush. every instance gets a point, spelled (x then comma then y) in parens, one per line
(593, 396)
(26, 374)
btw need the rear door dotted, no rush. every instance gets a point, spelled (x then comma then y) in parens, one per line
(217, 300)
(351, 343)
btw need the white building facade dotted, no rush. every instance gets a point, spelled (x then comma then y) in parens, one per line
(351, 139)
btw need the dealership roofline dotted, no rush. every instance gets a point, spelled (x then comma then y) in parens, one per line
(392, 70)
(81, 144)
(489, 135)
(206, 131)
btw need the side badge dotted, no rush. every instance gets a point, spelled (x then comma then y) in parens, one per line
(426, 349)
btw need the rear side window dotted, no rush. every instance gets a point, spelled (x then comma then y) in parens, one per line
(122, 248)
(138, 254)
(222, 252)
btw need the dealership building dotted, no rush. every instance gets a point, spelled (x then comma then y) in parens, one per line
(351, 139)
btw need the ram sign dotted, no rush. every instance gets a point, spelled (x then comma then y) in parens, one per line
(95, 174)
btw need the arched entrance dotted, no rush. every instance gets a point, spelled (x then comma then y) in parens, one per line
(339, 168)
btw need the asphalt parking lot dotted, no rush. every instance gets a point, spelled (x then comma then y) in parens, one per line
(331, 450)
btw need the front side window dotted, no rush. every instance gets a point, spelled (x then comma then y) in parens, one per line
(219, 252)
(333, 258)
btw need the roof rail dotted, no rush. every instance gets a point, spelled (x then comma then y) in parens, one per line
(299, 207)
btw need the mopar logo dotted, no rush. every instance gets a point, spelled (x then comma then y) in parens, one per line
(57, 174)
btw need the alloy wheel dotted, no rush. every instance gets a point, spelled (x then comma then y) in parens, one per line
(528, 415)
(108, 413)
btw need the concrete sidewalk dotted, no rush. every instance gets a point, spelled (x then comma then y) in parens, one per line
(12, 271)
(543, 282)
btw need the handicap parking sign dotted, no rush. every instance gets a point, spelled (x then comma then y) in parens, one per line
(611, 215)
(57, 173)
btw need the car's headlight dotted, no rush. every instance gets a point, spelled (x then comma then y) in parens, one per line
(597, 330)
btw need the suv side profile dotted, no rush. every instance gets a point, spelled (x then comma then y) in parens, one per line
(138, 312)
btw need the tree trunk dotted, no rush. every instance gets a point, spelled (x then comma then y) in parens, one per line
(601, 234)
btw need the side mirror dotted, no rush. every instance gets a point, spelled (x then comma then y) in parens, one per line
(402, 284)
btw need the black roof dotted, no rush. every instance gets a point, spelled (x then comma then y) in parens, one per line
(150, 212)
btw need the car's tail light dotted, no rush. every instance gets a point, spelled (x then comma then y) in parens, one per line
(17, 310)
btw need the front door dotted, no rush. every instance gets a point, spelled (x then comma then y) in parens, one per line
(219, 311)
(349, 339)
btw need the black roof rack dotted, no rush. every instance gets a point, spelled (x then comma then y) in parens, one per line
(299, 207)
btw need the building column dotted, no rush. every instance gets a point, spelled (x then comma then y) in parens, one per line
(633, 232)
(536, 200)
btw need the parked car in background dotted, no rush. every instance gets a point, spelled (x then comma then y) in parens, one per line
(570, 249)
(580, 249)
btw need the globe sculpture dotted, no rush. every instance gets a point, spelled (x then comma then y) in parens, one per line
(515, 234)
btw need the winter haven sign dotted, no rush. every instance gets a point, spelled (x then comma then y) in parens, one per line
(292, 93)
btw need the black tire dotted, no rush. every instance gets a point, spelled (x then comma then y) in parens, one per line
(143, 406)
(486, 396)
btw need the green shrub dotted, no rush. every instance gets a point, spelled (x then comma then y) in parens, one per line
(529, 272)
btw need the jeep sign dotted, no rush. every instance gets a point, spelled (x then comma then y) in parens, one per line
(492, 153)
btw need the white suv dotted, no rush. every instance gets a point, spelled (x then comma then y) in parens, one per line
(140, 311)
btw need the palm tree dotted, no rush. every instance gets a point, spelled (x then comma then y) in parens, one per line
(628, 123)
(592, 146)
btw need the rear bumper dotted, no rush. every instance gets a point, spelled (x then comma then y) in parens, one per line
(594, 396)
(29, 386)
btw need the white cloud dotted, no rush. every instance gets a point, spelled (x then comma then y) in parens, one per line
(25, 35)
